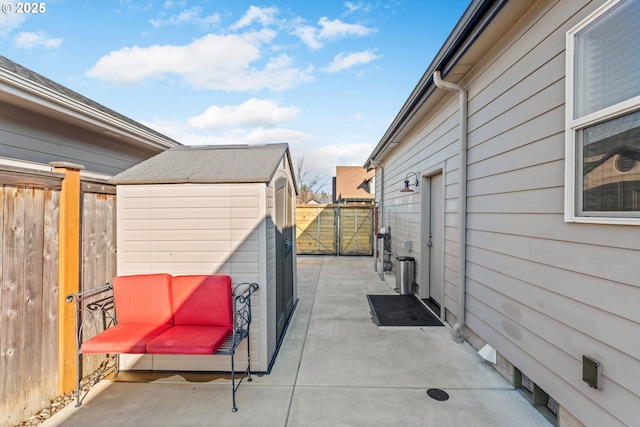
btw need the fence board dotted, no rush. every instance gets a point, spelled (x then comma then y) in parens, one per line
(98, 251)
(29, 224)
(318, 234)
(12, 323)
(32, 303)
(315, 230)
(49, 349)
(356, 230)
(4, 404)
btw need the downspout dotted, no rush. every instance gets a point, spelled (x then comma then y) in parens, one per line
(375, 232)
(462, 248)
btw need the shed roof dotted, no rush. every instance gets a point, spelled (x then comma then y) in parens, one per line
(208, 164)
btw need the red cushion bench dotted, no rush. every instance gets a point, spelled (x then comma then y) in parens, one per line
(164, 314)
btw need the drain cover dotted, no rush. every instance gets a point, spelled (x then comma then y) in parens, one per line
(437, 394)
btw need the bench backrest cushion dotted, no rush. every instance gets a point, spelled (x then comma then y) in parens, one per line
(143, 299)
(202, 300)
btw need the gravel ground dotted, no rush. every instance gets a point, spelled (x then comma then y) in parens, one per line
(63, 400)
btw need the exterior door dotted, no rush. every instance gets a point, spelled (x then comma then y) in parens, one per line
(284, 254)
(432, 287)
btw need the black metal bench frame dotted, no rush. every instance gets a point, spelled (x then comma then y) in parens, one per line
(95, 309)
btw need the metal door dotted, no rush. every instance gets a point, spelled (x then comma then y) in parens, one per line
(433, 239)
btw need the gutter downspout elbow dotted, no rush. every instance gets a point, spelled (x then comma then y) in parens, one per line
(462, 249)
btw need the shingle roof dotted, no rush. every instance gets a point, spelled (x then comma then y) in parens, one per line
(349, 183)
(46, 83)
(208, 164)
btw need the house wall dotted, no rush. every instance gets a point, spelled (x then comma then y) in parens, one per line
(541, 291)
(197, 229)
(27, 135)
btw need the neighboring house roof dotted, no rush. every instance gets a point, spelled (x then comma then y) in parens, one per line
(28, 89)
(352, 183)
(461, 42)
(209, 164)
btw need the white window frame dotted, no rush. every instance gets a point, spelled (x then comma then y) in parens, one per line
(573, 125)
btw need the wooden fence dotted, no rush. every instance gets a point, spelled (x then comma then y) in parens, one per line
(334, 229)
(30, 299)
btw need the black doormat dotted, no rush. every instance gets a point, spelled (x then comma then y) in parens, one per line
(400, 310)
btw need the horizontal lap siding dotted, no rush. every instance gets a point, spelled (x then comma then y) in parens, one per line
(28, 136)
(193, 229)
(431, 148)
(544, 292)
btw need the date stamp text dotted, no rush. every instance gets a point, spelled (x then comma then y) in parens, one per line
(24, 8)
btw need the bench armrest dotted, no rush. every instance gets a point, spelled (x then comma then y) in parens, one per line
(242, 306)
(94, 311)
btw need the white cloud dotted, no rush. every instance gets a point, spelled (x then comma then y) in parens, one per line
(28, 40)
(187, 135)
(329, 31)
(220, 62)
(352, 7)
(10, 21)
(343, 61)
(254, 112)
(187, 17)
(308, 35)
(332, 30)
(324, 159)
(264, 15)
(170, 3)
(264, 136)
(321, 161)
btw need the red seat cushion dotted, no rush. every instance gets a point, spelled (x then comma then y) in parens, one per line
(143, 299)
(189, 340)
(202, 300)
(123, 338)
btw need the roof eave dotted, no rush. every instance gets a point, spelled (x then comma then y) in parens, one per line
(475, 18)
(43, 96)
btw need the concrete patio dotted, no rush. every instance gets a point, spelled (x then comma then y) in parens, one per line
(335, 368)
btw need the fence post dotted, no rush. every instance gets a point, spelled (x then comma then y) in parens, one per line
(68, 271)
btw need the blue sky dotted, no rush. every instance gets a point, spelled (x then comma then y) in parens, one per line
(326, 76)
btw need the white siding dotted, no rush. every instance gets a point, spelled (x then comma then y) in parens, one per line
(196, 229)
(541, 291)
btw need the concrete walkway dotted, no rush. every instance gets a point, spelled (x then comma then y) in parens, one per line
(335, 368)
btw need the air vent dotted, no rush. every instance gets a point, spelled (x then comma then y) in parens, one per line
(624, 163)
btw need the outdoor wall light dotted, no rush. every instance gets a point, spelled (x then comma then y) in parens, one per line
(406, 188)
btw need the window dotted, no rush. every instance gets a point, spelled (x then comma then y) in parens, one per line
(603, 116)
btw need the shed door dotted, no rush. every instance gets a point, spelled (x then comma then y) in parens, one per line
(284, 254)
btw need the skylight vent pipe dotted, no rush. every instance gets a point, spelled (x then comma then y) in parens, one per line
(462, 245)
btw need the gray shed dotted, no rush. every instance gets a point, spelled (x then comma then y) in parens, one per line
(214, 209)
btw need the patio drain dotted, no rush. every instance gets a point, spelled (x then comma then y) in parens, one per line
(437, 394)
